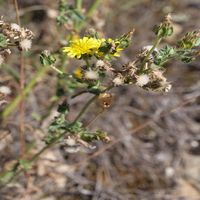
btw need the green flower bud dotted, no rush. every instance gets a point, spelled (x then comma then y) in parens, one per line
(190, 40)
(165, 29)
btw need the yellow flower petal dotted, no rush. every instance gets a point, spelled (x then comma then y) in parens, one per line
(84, 46)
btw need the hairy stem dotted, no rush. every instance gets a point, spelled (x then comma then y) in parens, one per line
(56, 69)
(17, 12)
(22, 106)
(79, 4)
(22, 82)
(93, 7)
(85, 107)
(89, 13)
(156, 43)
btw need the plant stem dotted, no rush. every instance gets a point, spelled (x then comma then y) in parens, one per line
(56, 69)
(22, 106)
(22, 82)
(156, 43)
(84, 108)
(92, 8)
(9, 109)
(90, 101)
(89, 14)
(17, 11)
(79, 4)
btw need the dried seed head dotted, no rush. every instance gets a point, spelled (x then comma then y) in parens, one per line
(15, 27)
(157, 75)
(5, 90)
(118, 80)
(25, 44)
(100, 63)
(105, 99)
(91, 75)
(70, 141)
(142, 80)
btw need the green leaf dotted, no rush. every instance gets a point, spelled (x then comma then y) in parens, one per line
(164, 55)
(164, 30)
(186, 56)
(26, 165)
(63, 108)
(3, 42)
(47, 59)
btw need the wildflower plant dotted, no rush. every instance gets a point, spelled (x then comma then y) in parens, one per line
(97, 74)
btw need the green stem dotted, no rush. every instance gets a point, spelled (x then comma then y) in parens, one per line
(89, 14)
(79, 4)
(41, 151)
(156, 43)
(56, 69)
(9, 109)
(84, 108)
(89, 103)
(92, 8)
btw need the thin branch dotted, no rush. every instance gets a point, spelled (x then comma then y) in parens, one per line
(156, 43)
(17, 12)
(91, 100)
(22, 82)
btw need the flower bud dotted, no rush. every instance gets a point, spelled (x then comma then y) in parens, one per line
(165, 29)
(190, 40)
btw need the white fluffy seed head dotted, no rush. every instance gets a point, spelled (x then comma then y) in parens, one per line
(100, 63)
(5, 90)
(25, 44)
(70, 142)
(1, 59)
(169, 172)
(91, 75)
(15, 27)
(72, 149)
(118, 81)
(142, 80)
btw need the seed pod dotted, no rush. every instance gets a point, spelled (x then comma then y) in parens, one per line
(105, 99)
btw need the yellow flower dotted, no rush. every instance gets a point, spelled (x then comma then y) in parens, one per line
(117, 52)
(117, 49)
(78, 73)
(79, 47)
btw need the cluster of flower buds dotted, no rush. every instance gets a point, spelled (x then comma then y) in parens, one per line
(165, 29)
(190, 40)
(11, 34)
